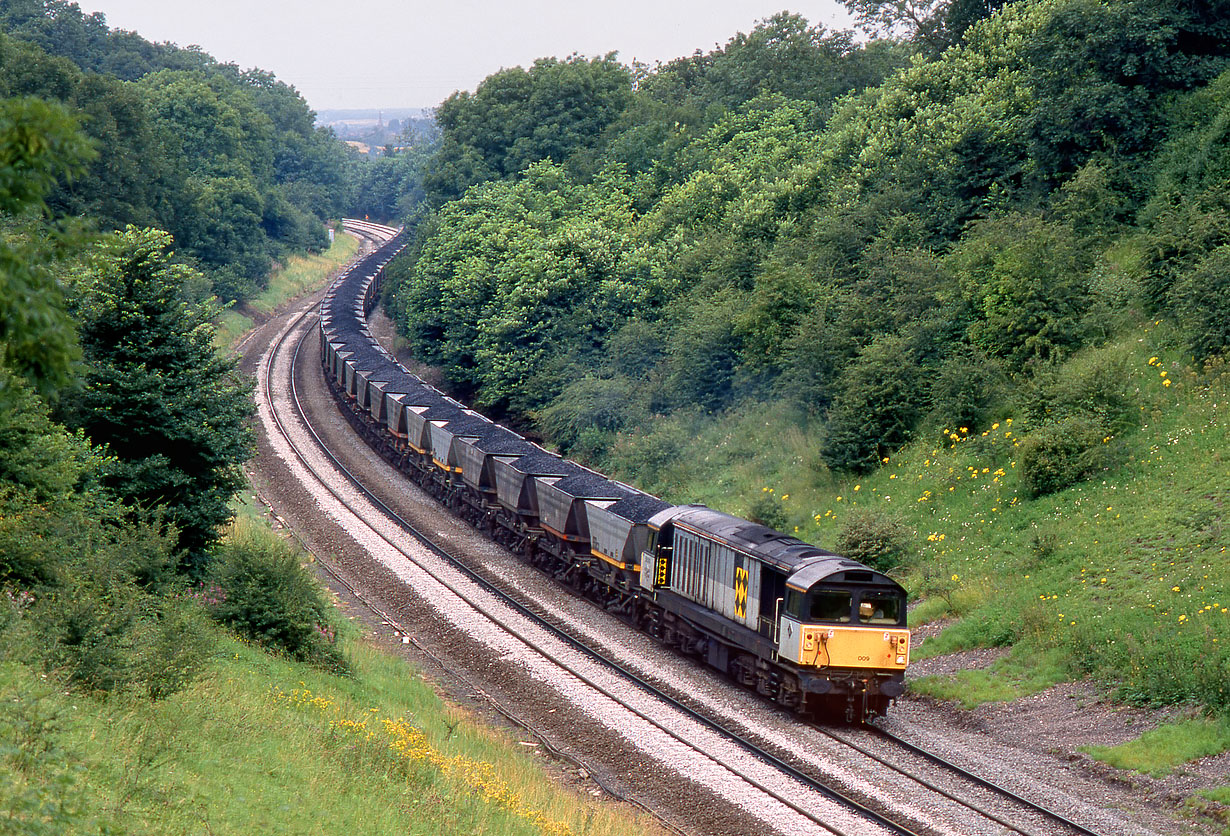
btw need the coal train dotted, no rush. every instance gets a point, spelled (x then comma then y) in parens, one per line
(815, 632)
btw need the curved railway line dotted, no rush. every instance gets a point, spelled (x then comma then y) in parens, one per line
(798, 797)
(285, 352)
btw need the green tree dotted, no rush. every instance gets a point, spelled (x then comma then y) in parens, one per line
(156, 393)
(879, 400)
(919, 20)
(1202, 301)
(517, 117)
(519, 283)
(782, 55)
(1026, 281)
(39, 145)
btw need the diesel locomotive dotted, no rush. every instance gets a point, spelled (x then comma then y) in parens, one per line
(818, 633)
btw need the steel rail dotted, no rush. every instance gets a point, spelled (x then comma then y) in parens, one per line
(768, 758)
(986, 783)
(752, 748)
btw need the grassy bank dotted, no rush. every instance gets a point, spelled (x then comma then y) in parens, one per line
(210, 734)
(261, 745)
(1122, 577)
(301, 274)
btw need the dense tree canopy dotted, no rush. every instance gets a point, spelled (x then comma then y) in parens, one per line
(39, 144)
(230, 162)
(516, 117)
(885, 234)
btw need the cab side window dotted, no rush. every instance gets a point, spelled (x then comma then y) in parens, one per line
(830, 605)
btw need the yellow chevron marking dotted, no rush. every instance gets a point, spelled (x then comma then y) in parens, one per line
(740, 593)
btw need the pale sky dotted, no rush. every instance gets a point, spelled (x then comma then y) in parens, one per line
(408, 53)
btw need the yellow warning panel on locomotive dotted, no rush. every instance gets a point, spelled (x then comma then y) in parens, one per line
(853, 647)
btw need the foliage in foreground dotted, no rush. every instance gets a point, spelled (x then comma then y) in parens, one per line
(266, 745)
(155, 393)
(257, 586)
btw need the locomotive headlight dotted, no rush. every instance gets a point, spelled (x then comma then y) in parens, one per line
(900, 660)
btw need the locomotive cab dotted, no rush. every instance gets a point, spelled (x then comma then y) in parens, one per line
(846, 623)
(833, 604)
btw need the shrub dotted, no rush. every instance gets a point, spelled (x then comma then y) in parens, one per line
(1025, 281)
(704, 354)
(1097, 384)
(1201, 299)
(39, 777)
(113, 622)
(967, 388)
(651, 458)
(882, 541)
(591, 403)
(268, 597)
(766, 509)
(879, 400)
(1059, 455)
(109, 637)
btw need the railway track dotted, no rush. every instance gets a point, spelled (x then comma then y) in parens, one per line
(759, 776)
(775, 776)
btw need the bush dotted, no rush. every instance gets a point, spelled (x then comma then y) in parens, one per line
(766, 509)
(267, 596)
(591, 403)
(879, 400)
(113, 622)
(39, 790)
(1025, 281)
(1061, 454)
(881, 541)
(107, 638)
(651, 458)
(1201, 300)
(1097, 384)
(967, 388)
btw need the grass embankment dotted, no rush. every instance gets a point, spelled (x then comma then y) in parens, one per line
(257, 743)
(300, 274)
(263, 745)
(1122, 577)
